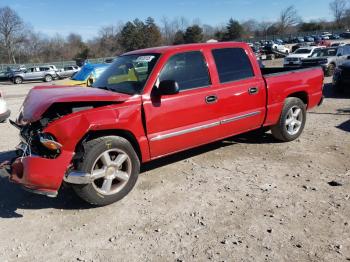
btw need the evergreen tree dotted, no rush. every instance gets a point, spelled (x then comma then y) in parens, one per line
(152, 34)
(193, 34)
(179, 38)
(234, 30)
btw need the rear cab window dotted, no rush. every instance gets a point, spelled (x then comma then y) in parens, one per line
(188, 69)
(232, 64)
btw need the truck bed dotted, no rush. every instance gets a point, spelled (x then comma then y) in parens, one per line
(280, 70)
(284, 82)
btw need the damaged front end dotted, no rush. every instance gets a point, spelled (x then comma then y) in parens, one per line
(51, 123)
(39, 161)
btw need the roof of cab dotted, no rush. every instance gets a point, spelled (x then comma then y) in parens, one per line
(186, 47)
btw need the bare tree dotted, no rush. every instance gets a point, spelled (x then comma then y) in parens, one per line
(11, 31)
(288, 18)
(263, 28)
(338, 8)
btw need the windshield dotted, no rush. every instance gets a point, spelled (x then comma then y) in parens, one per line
(127, 74)
(83, 74)
(325, 52)
(302, 51)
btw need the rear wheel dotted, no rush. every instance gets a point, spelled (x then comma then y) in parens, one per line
(114, 166)
(18, 80)
(292, 120)
(48, 78)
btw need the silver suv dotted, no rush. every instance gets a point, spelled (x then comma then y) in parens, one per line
(43, 73)
(68, 71)
(328, 58)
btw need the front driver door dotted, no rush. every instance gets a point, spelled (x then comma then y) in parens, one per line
(189, 118)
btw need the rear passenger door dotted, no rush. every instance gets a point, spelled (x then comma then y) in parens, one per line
(241, 91)
(189, 118)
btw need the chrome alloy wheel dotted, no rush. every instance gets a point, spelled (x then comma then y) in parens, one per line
(111, 171)
(294, 120)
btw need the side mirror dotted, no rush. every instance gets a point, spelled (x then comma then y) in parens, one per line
(168, 87)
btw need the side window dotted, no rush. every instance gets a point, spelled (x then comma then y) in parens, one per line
(189, 70)
(232, 64)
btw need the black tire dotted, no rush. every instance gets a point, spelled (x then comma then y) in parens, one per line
(48, 78)
(279, 131)
(92, 150)
(330, 70)
(18, 80)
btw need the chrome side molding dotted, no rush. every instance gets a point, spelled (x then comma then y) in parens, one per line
(210, 125)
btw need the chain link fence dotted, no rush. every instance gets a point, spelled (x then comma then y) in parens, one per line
(60, 64)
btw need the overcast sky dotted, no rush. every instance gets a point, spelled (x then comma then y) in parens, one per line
(87, 16)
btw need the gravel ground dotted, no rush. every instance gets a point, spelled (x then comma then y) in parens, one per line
(247, 198)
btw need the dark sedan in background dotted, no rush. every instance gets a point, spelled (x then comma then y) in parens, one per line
(341, 78)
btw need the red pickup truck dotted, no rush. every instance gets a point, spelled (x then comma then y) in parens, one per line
(148, 104)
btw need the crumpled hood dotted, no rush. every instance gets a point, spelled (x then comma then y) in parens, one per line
(40, 98)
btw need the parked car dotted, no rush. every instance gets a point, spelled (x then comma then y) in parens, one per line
(53, 67)
(294, 59)
(326, 43)
(297, 46)
(309, 39)
(4, 111)
(345, 35)
(341, 78)
(3, 75)
(337, 44)
(89, 72)
(97, 138)
(328, 58)
(67, 71)
(271, 46)
(334, 37)
(43, 73)
(279, 41)
(300, 40)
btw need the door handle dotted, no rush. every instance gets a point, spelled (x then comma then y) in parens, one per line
(211, 99)
(253, 90)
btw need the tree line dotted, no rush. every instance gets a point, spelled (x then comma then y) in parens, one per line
(19, 43)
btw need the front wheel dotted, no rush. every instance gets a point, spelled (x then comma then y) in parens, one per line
(18, 80)
(292, 120)
(114, 167)
(48, 78)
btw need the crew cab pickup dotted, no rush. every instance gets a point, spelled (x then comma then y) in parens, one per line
(95, 139)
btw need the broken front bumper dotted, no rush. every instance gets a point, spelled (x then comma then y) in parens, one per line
(35, 173)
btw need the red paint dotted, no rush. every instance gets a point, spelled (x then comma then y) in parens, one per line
(170, 114)
(40, 98)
